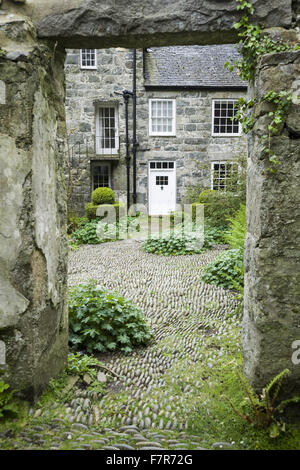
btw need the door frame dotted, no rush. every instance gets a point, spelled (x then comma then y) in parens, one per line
(170, 170)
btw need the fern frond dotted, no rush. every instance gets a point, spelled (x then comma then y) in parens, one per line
(237, 412)
(276, 381)
(283, 404)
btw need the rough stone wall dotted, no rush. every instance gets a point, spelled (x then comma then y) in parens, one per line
(111, 23)
(33, 317)
(193, 148)
(272, 288)
(83, 88)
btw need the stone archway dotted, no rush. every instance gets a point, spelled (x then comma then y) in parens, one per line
(33, 317)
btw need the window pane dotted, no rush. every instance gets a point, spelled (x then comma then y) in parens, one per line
(88, 57)
(107, 128)
(158, 108)
(100, 176)
(223, 123)
(161, 116)
(222, 176)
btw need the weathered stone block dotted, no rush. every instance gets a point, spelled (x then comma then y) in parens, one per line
(33, 316)
(272, 273)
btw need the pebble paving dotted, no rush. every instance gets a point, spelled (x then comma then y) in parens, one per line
(149, 400)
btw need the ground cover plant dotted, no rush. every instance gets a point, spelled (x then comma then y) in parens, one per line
(8, 408)
(227, 269)
(225, 421)
(96, 231)
(101, 321)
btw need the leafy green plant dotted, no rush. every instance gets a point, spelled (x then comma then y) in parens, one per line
(236, 235)
(79, 363)
(172, 244)
(7, 407)
(104, 321)
(91, 209)
(226, 270)
(75, 223)
(103, 196)
(184, 240)
(264, 407)
(219, 206)
(192, 193)
(254, 44)
(214, 235)
(87, 234)
(99, 231)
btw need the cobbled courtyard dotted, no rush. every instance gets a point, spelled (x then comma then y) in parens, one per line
(152, 398)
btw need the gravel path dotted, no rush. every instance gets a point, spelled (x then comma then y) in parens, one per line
(150, 407)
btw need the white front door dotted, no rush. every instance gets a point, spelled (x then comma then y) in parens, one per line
(162, 187)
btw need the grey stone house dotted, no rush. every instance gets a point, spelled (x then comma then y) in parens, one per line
(184, 132)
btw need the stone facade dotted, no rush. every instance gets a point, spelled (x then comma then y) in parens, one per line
(193, 148)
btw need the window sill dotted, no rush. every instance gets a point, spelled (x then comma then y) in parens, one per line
(162, 135)
(107, 156)
(226, 135)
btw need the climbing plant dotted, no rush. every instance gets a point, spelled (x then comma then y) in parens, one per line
(253, 44)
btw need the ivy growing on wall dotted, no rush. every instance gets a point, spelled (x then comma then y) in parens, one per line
(253, 44)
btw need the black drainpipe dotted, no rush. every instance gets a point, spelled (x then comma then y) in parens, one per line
(126, 95)
(126, 99)
(134, 142)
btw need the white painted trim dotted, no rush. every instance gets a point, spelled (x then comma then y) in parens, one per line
(157, 170)
(223, 134)
(220, 162)
(163, 134)
(115, 150)
(88, 67)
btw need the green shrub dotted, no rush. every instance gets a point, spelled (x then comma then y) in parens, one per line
(227, 270)
(87, 234)
(207, 196)
(173, 244)
(236, 234)
(103, 196)
(194, 209)
(184, 240)
(79, 364)
(118, 206)
(100, 231)
(74, 223)
(7, 407)
(104, 321)
(214, 235)
(192, 193)
(176, 217)
(219, 206)
(91, 210)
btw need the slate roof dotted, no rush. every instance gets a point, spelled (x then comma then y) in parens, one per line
(191, 67)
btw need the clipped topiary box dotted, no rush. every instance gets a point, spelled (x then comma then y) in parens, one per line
(103, 196)
(91, 211)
